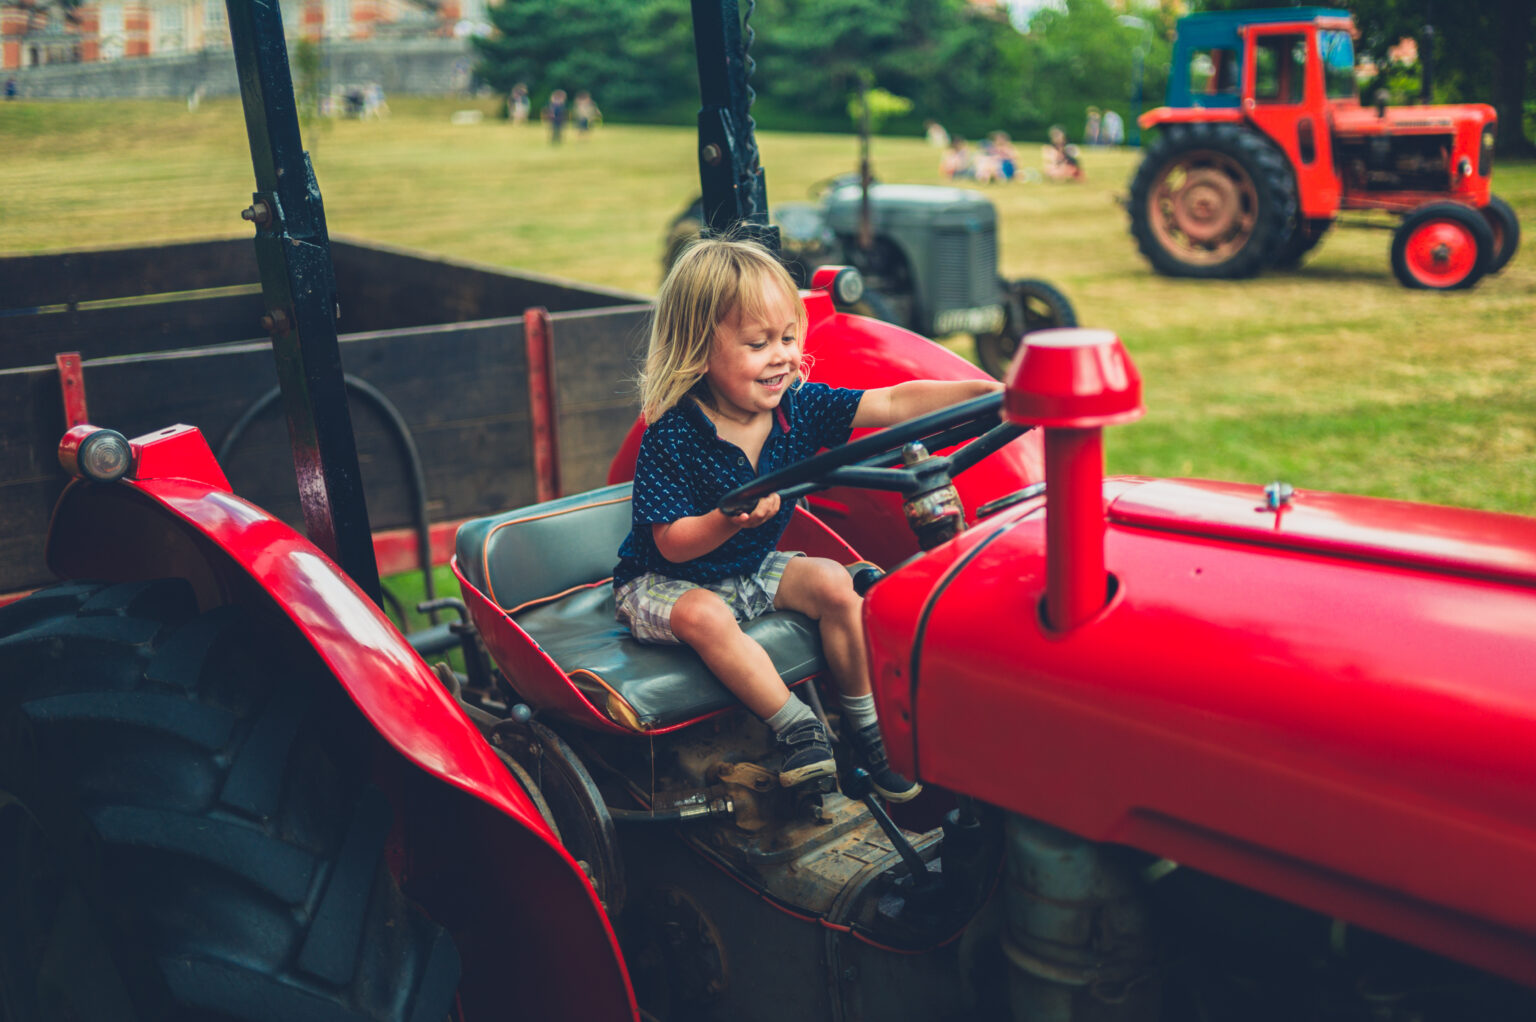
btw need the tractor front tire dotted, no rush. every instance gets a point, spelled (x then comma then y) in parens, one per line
(1506, 232)
(187, 831)
(1213, 201)
(1031, 305)
(1442, 246)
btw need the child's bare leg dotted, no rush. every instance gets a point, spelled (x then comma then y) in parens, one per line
(821, 590)
(703, 621)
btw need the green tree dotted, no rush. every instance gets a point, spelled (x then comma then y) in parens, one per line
(1082, 56)
(558, 44)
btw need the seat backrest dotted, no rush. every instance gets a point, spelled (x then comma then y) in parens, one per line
(538, 551)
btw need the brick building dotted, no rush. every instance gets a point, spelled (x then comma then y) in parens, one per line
(38, 32)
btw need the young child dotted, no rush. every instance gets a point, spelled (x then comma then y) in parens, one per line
(725, 402)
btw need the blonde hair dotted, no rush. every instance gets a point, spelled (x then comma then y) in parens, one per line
(710, 279)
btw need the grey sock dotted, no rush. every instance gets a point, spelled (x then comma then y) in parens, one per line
(790, 714)
(859, 711)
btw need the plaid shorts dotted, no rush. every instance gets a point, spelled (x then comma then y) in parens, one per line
(645, 603)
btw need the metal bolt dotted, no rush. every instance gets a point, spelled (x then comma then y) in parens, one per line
(711, 154)
(257, 213)
(275, 322)
(1440, 253)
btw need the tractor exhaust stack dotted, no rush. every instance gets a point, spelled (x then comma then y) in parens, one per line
(1073, 383)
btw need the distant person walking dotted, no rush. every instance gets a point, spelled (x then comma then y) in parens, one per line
(10, 89)
(937, 136)
(1113, 132)
(518, 105)
(1091, 129)
(585, 113)
(555, 115)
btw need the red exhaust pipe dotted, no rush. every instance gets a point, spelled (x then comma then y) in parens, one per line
(1073, 383)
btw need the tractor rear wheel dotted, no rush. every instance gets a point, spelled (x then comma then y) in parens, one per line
(1442, 246)
(1031, 305)
(1506, 232)
(1211, 200)
(186, 827)
(1304, 236)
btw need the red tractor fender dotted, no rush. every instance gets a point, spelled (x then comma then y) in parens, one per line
(1162, 115)
(855, 351)
(175, 515)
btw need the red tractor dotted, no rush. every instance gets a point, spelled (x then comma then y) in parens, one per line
(1196, 750)
(1264, 141)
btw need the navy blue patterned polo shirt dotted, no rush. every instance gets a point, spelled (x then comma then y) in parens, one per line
(684, 468)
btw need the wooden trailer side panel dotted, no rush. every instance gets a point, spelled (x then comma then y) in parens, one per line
(461, 388)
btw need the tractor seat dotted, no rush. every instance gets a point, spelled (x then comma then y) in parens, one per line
(548, 568)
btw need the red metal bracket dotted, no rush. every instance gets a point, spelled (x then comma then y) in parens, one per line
(541, 401)
(72, 387)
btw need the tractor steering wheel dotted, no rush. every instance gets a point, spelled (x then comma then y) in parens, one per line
(867, 462)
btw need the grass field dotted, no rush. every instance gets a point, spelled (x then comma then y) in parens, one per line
(1331, 377)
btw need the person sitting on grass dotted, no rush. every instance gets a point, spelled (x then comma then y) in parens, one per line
(725, 400)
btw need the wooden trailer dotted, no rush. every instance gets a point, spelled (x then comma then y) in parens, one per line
(173, 334)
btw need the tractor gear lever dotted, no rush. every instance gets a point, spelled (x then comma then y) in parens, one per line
(859, 787)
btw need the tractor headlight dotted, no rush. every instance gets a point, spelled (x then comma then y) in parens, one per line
(91, 452)
(848, 286)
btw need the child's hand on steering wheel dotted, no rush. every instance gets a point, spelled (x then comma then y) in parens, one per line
(766, 508)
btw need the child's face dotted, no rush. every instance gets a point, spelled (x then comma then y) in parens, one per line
(755, 358)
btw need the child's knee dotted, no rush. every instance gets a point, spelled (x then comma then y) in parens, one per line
(700, 615)
(834, 589)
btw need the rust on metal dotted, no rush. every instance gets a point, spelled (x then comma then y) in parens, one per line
(72, 387)
(541, 401)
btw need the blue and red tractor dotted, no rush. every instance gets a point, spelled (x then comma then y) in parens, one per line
(1193, 749)
(1264, 141)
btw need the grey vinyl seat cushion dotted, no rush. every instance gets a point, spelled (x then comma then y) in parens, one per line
(549, 565)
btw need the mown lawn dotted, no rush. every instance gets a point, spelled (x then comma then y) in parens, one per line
(1332, 377)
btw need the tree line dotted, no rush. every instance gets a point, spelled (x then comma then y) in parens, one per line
(961, 64)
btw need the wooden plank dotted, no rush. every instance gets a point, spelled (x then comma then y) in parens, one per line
(597, 355)
(382, 287)
(59, 278)
(130, 329)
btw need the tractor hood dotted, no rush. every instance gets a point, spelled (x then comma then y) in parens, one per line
(1352, 119)
(1334, 703)
(893, 206)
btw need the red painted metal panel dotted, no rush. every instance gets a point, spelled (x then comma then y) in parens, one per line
(1317, 183)
(541, 402)
(1479, 544)
(1351, 735)
(1189, 115)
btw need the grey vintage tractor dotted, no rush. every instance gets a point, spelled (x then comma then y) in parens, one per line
(928, 258)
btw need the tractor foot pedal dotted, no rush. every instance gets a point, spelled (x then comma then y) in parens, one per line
(810, 798)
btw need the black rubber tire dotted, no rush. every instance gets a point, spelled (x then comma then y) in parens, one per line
(1265, 166)
(1506, 232)
(1031, 305)
(1304, 237)
(186, 827)
(1456, 213)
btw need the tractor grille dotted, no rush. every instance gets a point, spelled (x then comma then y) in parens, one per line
(965, 268)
